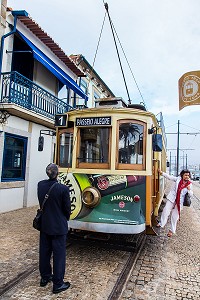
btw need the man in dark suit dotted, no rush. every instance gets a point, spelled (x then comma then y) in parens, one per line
(54, 228)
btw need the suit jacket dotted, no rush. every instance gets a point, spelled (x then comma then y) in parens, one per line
(172, 194)
(57, 208)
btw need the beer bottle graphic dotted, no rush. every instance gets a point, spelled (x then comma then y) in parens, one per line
(108, 184)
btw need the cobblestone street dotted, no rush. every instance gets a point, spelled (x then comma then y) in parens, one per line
(167, 269)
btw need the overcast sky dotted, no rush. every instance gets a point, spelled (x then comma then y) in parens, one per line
(161, 40)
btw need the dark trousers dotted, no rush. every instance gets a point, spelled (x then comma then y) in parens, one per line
(56, 245)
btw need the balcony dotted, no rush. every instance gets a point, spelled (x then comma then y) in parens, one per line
(24, 98)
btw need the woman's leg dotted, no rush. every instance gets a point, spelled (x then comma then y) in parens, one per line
(165, 213)
(174, 218)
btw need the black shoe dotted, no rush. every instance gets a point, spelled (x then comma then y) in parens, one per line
(44, 281)
(62, 288)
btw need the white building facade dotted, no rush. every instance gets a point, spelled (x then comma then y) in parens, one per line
(93, 85)
(38, 80)
(34, 72)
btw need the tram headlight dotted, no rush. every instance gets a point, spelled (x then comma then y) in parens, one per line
(91, 197)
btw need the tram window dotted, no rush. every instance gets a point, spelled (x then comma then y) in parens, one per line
(94, 146)
(65, 148)
(131, 144)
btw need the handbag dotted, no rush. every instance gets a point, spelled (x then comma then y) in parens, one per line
(38, 218)
(187, 200)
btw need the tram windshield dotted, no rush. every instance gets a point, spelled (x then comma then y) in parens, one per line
(94, 145)
(130, 143)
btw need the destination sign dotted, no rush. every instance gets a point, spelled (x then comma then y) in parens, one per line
(94, 121)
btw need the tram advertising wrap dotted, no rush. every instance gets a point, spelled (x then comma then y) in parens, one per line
(121, 198)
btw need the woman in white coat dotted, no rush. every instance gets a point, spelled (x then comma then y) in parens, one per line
(175, 198)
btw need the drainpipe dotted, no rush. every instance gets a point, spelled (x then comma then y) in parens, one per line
(15, 13)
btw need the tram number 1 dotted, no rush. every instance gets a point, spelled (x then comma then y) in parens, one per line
(60, 120)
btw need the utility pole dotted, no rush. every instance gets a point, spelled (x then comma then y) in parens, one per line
(186, 161)
(175, 159)
(170, 163)
(177, 162)
(178, 149)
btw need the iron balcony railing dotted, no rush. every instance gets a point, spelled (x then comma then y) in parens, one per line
(20, 90)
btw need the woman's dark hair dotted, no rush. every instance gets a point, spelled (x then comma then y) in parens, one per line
(183, 172)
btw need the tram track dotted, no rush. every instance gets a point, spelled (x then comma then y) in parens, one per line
(17, 280)
(126, 271)
(20, 278)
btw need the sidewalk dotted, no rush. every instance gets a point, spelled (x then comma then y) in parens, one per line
(18, 243)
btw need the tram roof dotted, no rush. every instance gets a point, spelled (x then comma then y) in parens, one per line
(111, 110)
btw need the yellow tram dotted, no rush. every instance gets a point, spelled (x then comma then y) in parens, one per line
(108, 156)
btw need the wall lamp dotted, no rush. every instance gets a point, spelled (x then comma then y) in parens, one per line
(41, 138)
(4, 115)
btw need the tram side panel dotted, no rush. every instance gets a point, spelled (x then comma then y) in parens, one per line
(121, 207)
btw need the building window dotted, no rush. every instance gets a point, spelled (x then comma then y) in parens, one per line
(96, 95)
(84, 86)
(14, 158)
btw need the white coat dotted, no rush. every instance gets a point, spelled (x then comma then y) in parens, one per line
(169, 206)
(172, 194)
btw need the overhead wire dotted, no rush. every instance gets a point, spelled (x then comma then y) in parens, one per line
(195, 134)
(97, 49)
(98, 42)
(73, 145)
(115, 33)
(171, 125)
(143, 102)
(111, 25)
(191, 127)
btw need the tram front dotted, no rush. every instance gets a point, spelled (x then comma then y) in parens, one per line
(105, 157)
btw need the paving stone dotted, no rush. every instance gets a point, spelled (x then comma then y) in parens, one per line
(167, 269)
(177, 259)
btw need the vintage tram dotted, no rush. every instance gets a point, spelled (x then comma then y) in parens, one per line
(108, 156)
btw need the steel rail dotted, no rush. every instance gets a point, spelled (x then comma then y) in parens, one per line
(125, 274)
(19, 278)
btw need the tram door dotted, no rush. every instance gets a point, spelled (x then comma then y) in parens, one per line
(155, 187)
